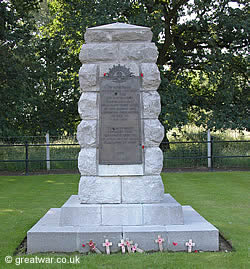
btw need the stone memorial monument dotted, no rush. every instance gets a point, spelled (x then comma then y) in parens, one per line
(121, 194)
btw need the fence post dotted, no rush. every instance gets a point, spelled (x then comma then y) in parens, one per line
(47, 152)
(26, 158)
(209, 149)
(212, 149)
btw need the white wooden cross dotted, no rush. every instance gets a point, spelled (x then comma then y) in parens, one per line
(107, 245)
(128, 244)
(136, 249)
(122, 245)
(160, 241)
(190, 244)
(93, 247)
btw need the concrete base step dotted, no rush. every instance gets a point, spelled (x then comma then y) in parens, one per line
(49, 235)
(168, 212)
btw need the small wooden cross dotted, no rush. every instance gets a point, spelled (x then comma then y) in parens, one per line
(122, 245)
(107, 245)
(136, 249)
(128, 244)
(160, 241)
(190, 244)
(93, 247)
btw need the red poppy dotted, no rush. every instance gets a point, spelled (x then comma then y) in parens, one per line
(83, 245)
(104, 74)
(175, 244)
(141, 75)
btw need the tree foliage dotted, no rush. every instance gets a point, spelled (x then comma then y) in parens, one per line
(38, 89)
(17, 64)
(203, 56)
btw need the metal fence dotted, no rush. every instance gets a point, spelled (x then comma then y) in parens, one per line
(212, 154)
(207, 154)
(34, 157)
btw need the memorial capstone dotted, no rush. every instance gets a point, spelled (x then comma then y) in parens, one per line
(121, 194)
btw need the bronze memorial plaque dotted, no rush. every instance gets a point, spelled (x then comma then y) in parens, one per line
(120, 119)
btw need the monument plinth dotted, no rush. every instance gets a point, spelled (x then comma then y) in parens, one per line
(121, 194)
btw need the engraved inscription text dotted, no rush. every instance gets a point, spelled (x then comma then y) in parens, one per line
(120, 125)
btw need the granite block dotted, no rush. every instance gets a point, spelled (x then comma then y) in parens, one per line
(86, 133)
(123, 214)
(153, 132)
(99, 190)
(87, 106)
(151, 104)
(153, 161)
(145, 236)
(144, 189)
(98, 234)
(87, 162)
(73, 213)
(88, 77)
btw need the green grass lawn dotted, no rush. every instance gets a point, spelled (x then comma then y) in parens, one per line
(222, 198)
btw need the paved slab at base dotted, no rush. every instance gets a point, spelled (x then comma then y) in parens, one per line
(204, 234)
(98, 234)
(73, 213)
(47, 235)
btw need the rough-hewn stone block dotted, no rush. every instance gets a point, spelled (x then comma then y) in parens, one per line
(137, 35)
(87, 77)
(87, 161)
(154, 132)
(153, 161)
(138, 52)
(151, 104)
(144, 189)
(151, 77)
(87, 106)
(95, 36)
(86, 133)
(92, 53)
(100, 190)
